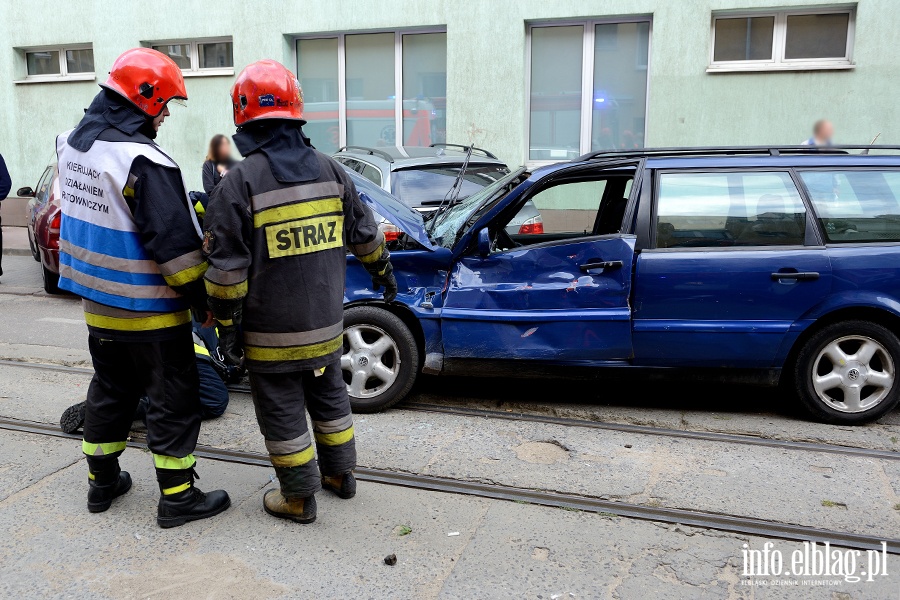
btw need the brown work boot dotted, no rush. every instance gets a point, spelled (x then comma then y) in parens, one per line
(301, 510)
(342, 485)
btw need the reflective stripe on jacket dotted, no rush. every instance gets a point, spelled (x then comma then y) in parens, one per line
(281, 247)
(125, 258)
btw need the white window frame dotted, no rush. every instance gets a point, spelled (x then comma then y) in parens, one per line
(779, 39)
(195, 43)
(64, 74)
(587, 79)
(342, 71)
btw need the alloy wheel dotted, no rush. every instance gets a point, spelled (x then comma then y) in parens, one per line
(371, 360)
(852, 374)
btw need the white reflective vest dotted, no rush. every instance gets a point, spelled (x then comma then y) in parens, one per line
(102, 258)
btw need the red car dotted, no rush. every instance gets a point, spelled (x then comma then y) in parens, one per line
(44, 217)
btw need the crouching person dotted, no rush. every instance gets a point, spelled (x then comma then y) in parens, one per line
(214, 377)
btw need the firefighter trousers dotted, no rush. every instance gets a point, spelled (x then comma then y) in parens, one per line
(282, 401)
(166, 371)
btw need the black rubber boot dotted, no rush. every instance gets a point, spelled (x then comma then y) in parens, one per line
(342, 485)
(181, 502)
(72, 418)
(106, 482)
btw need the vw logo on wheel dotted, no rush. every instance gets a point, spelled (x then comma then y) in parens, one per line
(363, 361)
(853, 374)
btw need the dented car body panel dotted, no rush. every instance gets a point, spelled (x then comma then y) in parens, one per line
(542, 302)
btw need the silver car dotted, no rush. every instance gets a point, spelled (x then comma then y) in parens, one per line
(421, 177)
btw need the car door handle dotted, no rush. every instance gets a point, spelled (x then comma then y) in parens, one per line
(603, 264)
(802, 276)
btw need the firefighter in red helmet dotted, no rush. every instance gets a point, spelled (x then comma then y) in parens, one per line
(130, 247)
(277, 231)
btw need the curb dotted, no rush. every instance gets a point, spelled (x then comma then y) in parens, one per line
(16, 252)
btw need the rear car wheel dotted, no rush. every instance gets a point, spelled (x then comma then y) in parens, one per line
(51, 281)
(380, 359)
(847, 373)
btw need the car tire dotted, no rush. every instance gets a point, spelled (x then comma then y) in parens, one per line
(846, 373)
(382, 350)
(51, 281)
(33, 247)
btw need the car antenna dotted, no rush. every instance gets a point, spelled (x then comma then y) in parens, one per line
(453, 192)
(866, 151)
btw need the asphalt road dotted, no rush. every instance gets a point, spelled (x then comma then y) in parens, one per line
(51, 547)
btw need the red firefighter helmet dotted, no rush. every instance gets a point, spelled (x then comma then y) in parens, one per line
(266, 89)
(147, 78)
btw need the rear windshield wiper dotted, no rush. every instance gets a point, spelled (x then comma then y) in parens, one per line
(452, 195)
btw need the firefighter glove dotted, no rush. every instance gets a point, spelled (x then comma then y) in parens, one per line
(382, 273)
(386, 280)
(228, 315)
(231, 348)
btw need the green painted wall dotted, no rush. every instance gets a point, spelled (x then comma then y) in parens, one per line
(486, 69)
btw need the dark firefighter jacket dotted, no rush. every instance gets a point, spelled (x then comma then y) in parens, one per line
(281, 248)
(129, 238)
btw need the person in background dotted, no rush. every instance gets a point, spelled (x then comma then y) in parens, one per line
(218, 161)
(823, 131)
(823, 186)
(5, 186)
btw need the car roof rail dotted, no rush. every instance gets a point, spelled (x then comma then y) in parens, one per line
(731, 151)
(464, 149)
(370, 151)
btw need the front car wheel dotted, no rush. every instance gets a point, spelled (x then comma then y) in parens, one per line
(846, 373)
(380, 360)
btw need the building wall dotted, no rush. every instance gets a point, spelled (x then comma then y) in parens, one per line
(486, 58)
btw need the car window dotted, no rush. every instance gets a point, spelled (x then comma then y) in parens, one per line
(371, 173)
(696, 210)
(570, 207)
(429, 185)
(351, 163)
(856, 206)
(42, 194)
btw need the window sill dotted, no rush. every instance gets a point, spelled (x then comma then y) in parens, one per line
(771, 68)
(208, 73)
(57, 78)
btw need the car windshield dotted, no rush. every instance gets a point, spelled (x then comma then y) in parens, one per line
(452, 219)
(428, 186)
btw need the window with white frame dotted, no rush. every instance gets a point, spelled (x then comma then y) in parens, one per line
(59, 63)
(374, 89)
(787, 39)
(200, 56)
(588, 87)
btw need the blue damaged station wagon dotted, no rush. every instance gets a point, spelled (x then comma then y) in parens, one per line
(776, 265)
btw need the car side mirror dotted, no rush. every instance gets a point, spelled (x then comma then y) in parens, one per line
(484, 243)
(25, 192)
